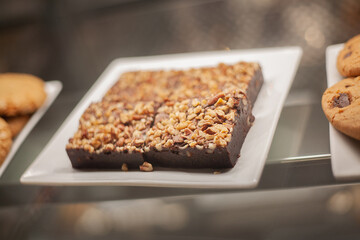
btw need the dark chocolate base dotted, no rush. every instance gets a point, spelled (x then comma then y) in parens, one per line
(82, 159)
(189, 158)
(194, 158)
(254, 86)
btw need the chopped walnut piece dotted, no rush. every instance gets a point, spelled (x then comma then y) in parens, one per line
(137, 117)
(124, 167)
(146, 167)
(220, 101)
(220, 113)
(182, 125)
(192, 144)
(210, 131)
(178, 139)
(215, 99)
(138, 142)
(187, 131)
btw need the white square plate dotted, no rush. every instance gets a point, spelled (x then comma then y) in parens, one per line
(52, 166)
(345, 151)
(52, 89)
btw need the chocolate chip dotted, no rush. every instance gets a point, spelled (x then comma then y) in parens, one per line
(342, 100)
(347, 86)
(347, 55)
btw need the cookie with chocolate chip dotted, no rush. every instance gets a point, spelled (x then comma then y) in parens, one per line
(341, 105)
(348, 61)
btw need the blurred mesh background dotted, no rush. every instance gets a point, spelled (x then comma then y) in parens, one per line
(74, 41)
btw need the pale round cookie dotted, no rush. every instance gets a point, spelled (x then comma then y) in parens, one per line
(17, 123)
(341, 105)
(20, 94)
(5, 140)
(348, 61)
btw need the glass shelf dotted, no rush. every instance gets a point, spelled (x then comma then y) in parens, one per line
(73, 41)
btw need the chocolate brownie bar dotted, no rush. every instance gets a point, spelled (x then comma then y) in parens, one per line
(111, 134)
(178, 85)
(188, 130)
(205, 133)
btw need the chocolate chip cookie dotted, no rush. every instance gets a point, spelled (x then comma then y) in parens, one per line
(341, 105)
(20, 94)
(348, 61)
(5, 140)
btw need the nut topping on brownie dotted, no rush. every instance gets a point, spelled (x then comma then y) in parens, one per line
(196, 124)
(198, 128)
(106, 126)
(178, 85)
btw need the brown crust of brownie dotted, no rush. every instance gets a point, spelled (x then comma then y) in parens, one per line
(189, 158)
(82, 159)
(254, 86)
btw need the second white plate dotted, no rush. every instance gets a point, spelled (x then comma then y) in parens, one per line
(345, 151)
(52, 166)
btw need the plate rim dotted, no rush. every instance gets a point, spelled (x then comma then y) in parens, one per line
(339, 174)
(27, 178)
